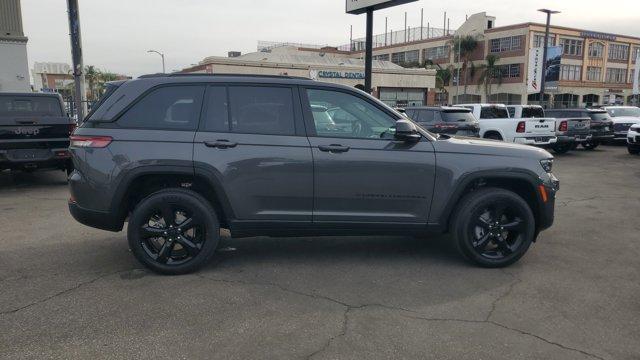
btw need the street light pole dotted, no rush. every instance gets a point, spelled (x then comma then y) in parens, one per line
(162, 56)
(544, 53)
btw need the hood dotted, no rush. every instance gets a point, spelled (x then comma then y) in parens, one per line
(626, 120)
(465, 145)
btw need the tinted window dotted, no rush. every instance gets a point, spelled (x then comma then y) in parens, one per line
(262, 110)
(457, 116)
(599, 116)
(216, 118)
(357, 117)
(512, 112)
(493, 112)
(532, 112)
(426, 116)
(34, 105)
(174, 107)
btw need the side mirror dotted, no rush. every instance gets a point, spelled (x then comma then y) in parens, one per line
(407, 131)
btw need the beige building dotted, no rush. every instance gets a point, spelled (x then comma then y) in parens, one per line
(596, 69)
(393, 84)
(14, 68)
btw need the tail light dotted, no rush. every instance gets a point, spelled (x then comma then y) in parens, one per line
(564, 126)
(90, 141)
(521, 127)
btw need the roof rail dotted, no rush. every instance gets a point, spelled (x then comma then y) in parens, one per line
(225, 75)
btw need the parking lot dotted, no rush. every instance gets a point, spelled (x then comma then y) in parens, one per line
(69, 291)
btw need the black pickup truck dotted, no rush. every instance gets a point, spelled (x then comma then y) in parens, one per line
(34, 132)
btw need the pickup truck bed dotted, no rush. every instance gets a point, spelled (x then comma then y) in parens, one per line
(34, 132)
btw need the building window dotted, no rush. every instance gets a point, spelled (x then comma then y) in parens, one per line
(594, 73)
(631, 76)
(506, 44)
(571, 47)
(406, 58)
(618, 52)
(438, 52)
(596, 50)
(510, 70)
(383, 57)
(570, 72)
(636, 50)
(616, 76)
(538, 40)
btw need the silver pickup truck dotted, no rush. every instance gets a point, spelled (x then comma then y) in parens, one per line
(34, 132)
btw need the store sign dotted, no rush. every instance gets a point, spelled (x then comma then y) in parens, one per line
(599, 36)
(330, 74)
(360, 6)
(534, 77)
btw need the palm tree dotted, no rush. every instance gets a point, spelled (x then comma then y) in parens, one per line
(443, 75)
(490, 72)
(463, 47)
(92, 74)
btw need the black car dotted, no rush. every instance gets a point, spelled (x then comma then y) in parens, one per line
(181, 156)
(601, 124)
(445, 120)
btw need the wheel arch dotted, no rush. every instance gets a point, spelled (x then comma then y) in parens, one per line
(523, 183)
(144, 181)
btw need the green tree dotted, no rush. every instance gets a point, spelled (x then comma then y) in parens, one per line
(490, 73)
(92, 75)
(463, 48)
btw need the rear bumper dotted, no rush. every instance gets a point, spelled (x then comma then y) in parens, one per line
(538, 141)
(45, 159)
(96, 219)
(571, 138)
(599, 137)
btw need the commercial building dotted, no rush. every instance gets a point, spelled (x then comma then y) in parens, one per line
(393, 84)
(596, 68)
(14, 68)
(52, 77)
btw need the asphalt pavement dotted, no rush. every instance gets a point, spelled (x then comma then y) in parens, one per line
(69, 291)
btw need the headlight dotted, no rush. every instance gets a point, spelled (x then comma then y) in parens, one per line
(547, 165)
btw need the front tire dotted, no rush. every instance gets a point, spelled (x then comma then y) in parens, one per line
(173, 231)
(590, 145)
(493, 227)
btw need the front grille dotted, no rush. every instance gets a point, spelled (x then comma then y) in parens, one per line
(621, 127)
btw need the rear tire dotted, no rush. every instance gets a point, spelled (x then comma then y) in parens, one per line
(493, 227)
(493, 136)
(562, 148)
(173, 231)
(589, 145)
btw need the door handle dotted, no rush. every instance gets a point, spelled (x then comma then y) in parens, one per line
(334, 148)
(220, 144)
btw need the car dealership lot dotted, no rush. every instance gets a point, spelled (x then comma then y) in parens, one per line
(69, 291)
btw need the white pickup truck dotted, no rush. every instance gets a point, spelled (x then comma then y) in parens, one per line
(496, 124)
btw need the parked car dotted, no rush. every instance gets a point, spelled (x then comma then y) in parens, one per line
(633, 139)
(180, 156)
(34, 132)
(496, 124)
(445, 120)
(601, 125)
(623, 117)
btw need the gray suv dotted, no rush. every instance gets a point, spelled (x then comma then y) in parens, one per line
(181, 156)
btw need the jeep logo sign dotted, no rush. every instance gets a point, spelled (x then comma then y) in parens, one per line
(360, 6)
(26, 131)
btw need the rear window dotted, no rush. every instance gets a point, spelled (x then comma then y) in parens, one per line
(493, 112)
(29, 105)
(600, 116)
(532, 112)
(457, 116)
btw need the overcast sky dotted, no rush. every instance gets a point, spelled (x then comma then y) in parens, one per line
(117, 33)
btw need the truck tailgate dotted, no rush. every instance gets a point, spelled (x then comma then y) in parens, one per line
(540, 127)
(579, 126)
(30, 132)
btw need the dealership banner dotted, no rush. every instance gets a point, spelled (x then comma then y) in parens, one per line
(534, 77)
(552, 75)
(636, 76)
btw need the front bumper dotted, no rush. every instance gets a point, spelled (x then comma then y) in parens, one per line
(546, 213)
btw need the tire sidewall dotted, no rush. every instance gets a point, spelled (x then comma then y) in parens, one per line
(475, 203)
(183, 198)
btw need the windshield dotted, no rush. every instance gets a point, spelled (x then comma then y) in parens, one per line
(11, 105)
(616, 112)
(493, 112)
(532, 112)
(457, 116)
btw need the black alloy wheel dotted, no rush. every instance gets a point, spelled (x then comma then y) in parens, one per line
(173, 231)
(493, 227)
(497, 231)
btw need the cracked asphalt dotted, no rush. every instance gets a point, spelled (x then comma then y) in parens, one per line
(69, 291)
